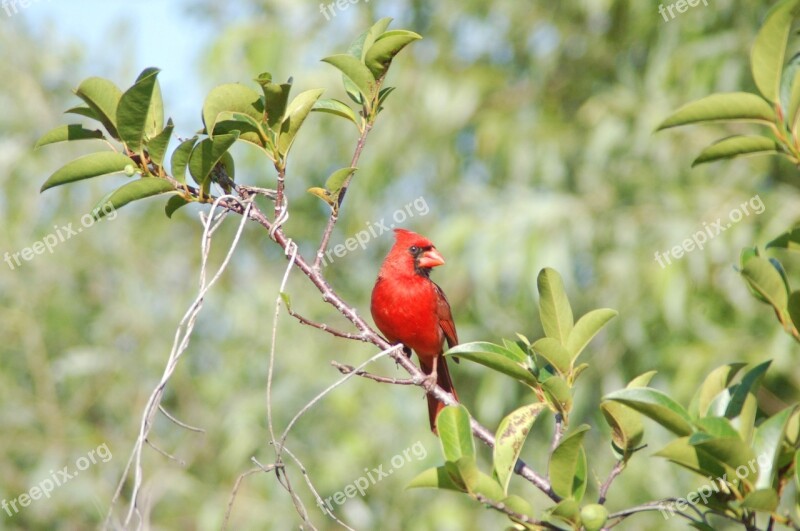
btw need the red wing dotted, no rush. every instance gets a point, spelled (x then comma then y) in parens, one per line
(445, 317)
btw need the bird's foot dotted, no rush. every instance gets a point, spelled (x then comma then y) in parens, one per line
(429, 382)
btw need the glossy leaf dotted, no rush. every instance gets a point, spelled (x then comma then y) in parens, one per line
(455, 433)
(555, 354)
(140, 113)
(102, 96)
(558, 393)
(496, 358)
(586, 328)
(276, 96)
(338, 108)
(86, 112)
(477, 482)
(365, 41)
(769, 50)
(656, 405)
(566, 510)
(157, 146)
(719, 427)
(693, 458)
(791, 90)
(175, 202)
(435, 478)
(762, 276)
(296, 113)
(718, 380)
(767, 443)
(208, 154)
(729, 451)
(231, 97)
(626, 425)
(337, 179)
(379, 56)
(88, 166)
(788, 240)
(510, 437)
(180, 159)
(323, 194)
(729, 106)
(554, 308)
(65, 133)
(250, 129)
(736, 146)
(356, 72)
(763, 500)
(133, 191)
(564, 463)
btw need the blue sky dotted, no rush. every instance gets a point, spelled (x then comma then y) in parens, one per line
(146, 27)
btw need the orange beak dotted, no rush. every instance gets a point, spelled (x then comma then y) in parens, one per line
(431, 258)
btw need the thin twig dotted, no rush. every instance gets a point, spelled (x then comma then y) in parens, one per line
(326, 328)
(618, 468)
(349, 369)
(503, 508)
(234, 492)
(178, 422)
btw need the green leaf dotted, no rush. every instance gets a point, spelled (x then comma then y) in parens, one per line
(455, 433)
(716, 382)
(435, 478)
(207, 154)
(557, 392)
(102, 96)
(788, 240)
(762, 276)
(364, 42)
(555, 354)
(175, 202)
(383, 94)
(509, 439)
(88, 166)
(133, 191)
(564, 463)
(477, 482)
(767, 443)
(338, 108)
(626, 425)
(275, 98)
(65, 133)
(356, 72)
(338, 178)
(379, 56)
(83, 111)
(157, 146)
(323, 194)
(180, 159)
(735, 146)
(566, 510)
(586, 328)
(751, 381)
(250, 129)
(296, 113)
(763, 500)
(694, 458)
(769, 50)
(791, 91)
(556, 313)
(730, 451)
(140, 113)
(719, 427)
(794, 308)
(656, 405)
(231, 97)
(729, 106)
(496, 358)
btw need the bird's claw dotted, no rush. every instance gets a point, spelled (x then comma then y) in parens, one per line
(429, 383)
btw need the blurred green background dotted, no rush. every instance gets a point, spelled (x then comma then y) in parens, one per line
(528, 132)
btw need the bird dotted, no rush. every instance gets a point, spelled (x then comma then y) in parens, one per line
(409, 308)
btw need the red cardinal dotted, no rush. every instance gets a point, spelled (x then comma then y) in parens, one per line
(409, 308)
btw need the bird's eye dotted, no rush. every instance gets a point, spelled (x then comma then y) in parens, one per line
(413, 249)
